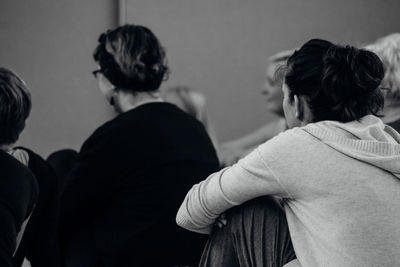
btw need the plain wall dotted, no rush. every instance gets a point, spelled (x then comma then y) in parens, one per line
(50, 44)
(219, 47)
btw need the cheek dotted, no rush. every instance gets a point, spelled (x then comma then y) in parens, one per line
(105, 89)
(265, 88)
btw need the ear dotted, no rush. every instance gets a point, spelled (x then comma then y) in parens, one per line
(298, 107)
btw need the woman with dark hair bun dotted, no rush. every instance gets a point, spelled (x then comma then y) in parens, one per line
(340, 84)
(120, 199)
(336, 173)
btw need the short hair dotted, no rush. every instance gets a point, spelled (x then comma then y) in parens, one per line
(339, 83)
(388, 50)
(131, 58)
(15, 106)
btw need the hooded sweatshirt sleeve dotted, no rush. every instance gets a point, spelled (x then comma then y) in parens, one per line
(232, 186)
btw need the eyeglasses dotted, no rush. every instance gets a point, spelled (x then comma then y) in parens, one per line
(96, 72)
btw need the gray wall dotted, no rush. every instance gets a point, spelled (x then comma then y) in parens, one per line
(220, 47)
(50, 44)
(217, 46)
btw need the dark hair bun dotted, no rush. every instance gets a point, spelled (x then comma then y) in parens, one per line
(145, 69)
(349, 73)
(340, 82)
(132, 58)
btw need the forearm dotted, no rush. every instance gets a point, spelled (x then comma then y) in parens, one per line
(203, 204)
(232, 186)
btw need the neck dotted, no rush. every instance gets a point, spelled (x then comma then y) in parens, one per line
(125, 101)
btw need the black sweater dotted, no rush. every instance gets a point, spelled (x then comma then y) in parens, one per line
(131, 176)
(39, 243)
(18, 195)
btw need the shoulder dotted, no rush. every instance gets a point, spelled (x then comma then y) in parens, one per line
(42, 170)
(16, 177)
(290, 145)
(289, 139)
(35, 161)
(101, 136)
(12, 168)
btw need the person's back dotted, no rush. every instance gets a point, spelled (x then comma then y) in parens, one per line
(347, 202)
(39, 244)
(120, 200)
(62, 161)
(150, 157)
(18, 195)
(193, 103)
(336, 171)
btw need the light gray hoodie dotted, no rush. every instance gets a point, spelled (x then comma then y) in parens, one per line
(340, 185)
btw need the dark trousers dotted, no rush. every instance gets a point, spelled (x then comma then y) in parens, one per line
(256, 234)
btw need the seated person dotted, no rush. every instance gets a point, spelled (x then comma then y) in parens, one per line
(62, 161)
(39, 243)
(230, 152)
(119, 201)
(193, 103)
(388, 49)
(336, 172)
(18, 196)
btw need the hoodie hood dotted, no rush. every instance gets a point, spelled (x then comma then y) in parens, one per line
(368, 140)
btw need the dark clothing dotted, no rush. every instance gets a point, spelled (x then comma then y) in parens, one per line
(62, 162)
(131, 176)
(18, 195)
(39, 243)
(395, 125)
(256, 235)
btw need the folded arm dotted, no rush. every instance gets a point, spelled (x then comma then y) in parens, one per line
(232, 186)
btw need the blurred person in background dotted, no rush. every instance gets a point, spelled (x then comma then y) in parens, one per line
(388, 49)
(231, 151)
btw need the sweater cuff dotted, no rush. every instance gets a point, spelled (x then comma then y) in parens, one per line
(188, 225)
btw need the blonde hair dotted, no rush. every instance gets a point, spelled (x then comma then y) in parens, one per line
(15, 106)
(388, 50)
(278, 62)
(281, 57)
